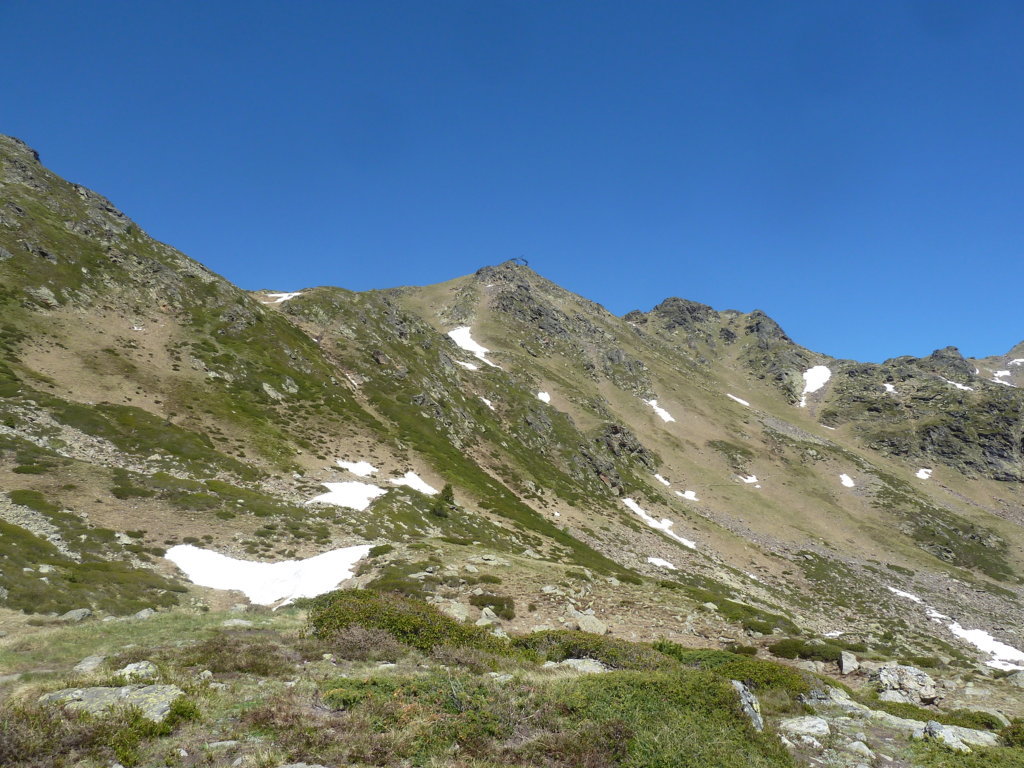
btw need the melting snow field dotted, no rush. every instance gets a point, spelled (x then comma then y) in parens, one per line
(664, 525)
(688, 495)
(279, 297)
(889, 388)
(1016, 361)
(544, 397)
(662, 480)
(739, 400)
(847, 481)
(267, 583)
(748, 479)
(958, 386)
(352, 495)
(414, 481)
(665, 415)
(468, 366)
(1002, 656)
(361, 468)
(907, 595)
(814, 379)
(464, 340)
(923, 474)
(661, 563)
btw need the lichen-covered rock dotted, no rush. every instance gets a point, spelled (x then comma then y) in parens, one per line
(907, 685)
(153, 701)
(591, 624)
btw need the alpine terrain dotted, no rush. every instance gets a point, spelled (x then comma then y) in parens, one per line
(481, 523)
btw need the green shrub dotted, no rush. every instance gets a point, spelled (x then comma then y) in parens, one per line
(503, 606)
(560, 644)
(410, 621)
(380, 550)
(795, 648)
(1013, 734)
(759, 674)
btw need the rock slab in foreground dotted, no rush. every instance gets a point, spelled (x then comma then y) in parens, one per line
(154, 701)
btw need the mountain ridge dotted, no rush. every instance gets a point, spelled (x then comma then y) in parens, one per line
(657, 463)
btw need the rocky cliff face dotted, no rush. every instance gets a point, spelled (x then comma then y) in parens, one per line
(651, 465)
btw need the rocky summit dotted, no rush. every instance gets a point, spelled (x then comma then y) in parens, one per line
(481, 523)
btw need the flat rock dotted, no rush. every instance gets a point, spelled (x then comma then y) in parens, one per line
(153, 701)
(588, 666)
(140, 670)
(808, 725)
(75, 615)
(236, 623)
(89, 664)
(591, 624)
(145, 613)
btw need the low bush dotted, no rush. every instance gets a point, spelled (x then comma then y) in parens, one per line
(504, 607)
(408, 620)
(1013, 734)
(238, 652)
(357, 643)
(759, 674)
(35, 735)
(560, 644)
(796, 648)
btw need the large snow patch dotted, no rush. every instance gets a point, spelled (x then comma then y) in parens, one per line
(268, 583)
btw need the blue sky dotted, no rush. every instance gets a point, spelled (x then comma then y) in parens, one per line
(855, 169)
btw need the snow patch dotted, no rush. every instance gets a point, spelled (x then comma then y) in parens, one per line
(889, 388)
(1016, 361)
(923, 474)
(847, 481)
(280, 297)
(414, 481)
(999, 374)
(834, 633)
(814, 379)
(661, 563)
(267, 583)
(353, 495)
(488, 403)
(907, 595)
(664, 525)
(468, 366)
(957, 385)
(688, 495)
(361, 468)
(544, 397)
(739, 400)
(748, 479)
(661, 480)
(463, 338)
(1001, 655)
(665, 415)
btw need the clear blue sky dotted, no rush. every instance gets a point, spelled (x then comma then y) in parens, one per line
(855, 168)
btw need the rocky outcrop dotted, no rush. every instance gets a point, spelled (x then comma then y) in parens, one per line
(153, 701)
(904, 684)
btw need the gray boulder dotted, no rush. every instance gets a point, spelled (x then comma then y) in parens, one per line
(751, 706)
(75, 615)
(943, 734)
(591, 624)
(808, 725)
(140, 670)
(153, 701)
(906, 685)
(848, 663)
(89, 664)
